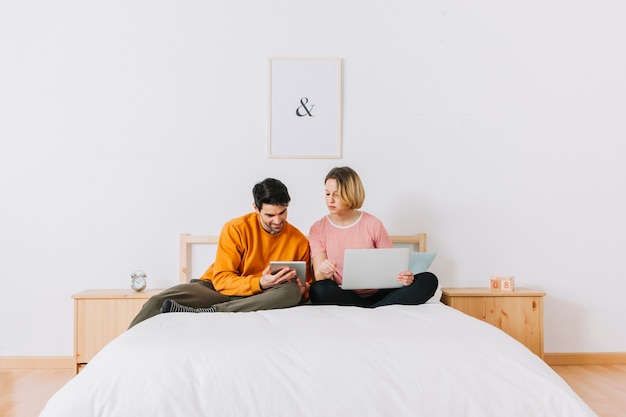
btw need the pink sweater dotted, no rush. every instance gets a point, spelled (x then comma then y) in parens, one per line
(366, 233)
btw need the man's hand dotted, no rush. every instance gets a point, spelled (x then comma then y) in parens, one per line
(268, 280)
(303, 288)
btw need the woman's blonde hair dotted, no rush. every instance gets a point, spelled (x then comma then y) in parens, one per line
(350, 187)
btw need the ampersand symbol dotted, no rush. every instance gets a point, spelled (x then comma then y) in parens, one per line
(308, 110)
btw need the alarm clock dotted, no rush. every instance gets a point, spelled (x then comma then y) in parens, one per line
(138, 280)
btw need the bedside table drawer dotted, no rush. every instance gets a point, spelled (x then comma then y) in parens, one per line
(518, 313)
(102, 315)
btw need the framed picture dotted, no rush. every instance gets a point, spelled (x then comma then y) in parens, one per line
(304, 108)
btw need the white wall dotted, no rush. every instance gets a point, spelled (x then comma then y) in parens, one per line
(496, 127)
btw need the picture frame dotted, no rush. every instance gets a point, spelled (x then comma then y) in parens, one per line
(305, 108)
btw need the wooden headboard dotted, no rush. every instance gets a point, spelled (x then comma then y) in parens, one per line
(418, 241)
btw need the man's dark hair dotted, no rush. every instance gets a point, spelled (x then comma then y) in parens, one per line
(270, 191)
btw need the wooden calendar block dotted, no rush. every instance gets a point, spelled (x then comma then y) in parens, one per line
(502, 284)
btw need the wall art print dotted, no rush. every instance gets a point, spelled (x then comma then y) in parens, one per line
(304, 108)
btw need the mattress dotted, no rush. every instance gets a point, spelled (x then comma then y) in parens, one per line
(427, 360)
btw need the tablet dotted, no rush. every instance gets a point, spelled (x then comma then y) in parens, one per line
(298, 266)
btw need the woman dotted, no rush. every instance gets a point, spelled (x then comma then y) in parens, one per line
(347, 227)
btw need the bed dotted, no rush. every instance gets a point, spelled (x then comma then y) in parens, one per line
(427, 360)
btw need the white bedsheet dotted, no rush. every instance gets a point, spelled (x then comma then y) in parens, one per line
(427, 360)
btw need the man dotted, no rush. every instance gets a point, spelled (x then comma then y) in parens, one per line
(240, 278)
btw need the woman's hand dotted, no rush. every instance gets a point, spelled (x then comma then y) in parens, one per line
(405, 278)
(323, 268)
(327, 268)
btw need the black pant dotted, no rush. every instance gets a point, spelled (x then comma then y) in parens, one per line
(421, 290)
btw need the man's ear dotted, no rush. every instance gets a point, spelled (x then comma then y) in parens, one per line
(256, 208)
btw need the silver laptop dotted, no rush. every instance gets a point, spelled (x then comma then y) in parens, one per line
(374, 268)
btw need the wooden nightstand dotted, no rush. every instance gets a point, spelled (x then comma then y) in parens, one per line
(518, 313)
(102, 315)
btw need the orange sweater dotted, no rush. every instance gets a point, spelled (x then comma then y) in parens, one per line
(245, 249)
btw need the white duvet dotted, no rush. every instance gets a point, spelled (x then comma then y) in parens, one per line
(427, 360)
